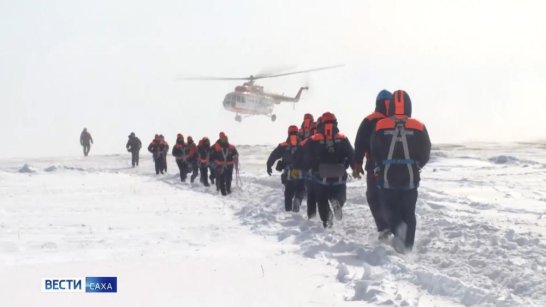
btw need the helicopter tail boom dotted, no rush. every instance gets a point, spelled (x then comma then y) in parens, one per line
(281, 98)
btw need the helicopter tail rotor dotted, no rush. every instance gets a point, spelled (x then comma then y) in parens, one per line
(298, 95)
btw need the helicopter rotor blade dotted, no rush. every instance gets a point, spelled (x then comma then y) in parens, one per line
(273, 70)
(213, 78)
(263, 76)
(256, 77)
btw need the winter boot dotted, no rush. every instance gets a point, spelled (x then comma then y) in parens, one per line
(384, 234)
(296, 203)
(330, 222)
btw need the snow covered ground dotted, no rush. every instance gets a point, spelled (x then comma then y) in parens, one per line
(480, 236)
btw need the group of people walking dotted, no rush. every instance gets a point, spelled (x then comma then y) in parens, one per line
(215, 162)
(314, 159)
(220, 159)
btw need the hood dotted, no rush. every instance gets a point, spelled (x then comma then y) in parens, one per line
(400, 104)
(382, 101)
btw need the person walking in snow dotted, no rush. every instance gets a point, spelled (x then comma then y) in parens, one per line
(289, 153)
(192, 158)
(400, 147)
(328, 155)
(157, 148)
(362, 149)
(203, 158)
(309, 185)
(306, 126)
(180, 152)
(225, 157)
(165, 151)
(85, 141)
(133, 146)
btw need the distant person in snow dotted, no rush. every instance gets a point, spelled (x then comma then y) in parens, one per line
(309, 185)
(166, 150)
(362, 150)
(133, 146)
(328, 155)
(192, 158)
(225, 157)
(86, 140)
(290, 155)
(400, 147)
(203, 156)
(180, 153)
(158, 150)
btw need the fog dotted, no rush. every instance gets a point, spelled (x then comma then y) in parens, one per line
(474, 69)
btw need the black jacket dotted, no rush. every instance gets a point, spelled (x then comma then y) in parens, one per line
(400, 170)
(204, 153)
(291, 155)
(224, 155)
(364, 134)
(158, 149)
(133, 144)
(85, 138)
(318, 150)
(363, 138)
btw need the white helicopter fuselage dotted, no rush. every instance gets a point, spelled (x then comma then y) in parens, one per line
(249, 103)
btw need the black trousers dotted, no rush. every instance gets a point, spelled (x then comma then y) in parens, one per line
(86, 149)
(134, 158)
(311, 199)
(292, 189)
(223, 179)
(212, 174)
(159, 166)
(325, 193)
(372, 196)
(401, 210)
(204, 170)
(195, 171)
(183, 168)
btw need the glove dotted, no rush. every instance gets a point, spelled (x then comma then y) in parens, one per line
(269, 170)
(357, 170)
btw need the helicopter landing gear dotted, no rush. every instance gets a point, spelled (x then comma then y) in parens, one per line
(238, 118)
(273, 117)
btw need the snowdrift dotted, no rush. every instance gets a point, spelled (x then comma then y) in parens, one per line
(479, 241)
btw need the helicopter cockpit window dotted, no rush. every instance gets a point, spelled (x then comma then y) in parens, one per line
(239, 98)
(229, 100)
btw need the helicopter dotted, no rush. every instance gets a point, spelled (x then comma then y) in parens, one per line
(250, 99)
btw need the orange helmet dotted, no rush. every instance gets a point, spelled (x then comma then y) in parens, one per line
(400, 104)
(293, 129)
(223, 137)
(328, 117)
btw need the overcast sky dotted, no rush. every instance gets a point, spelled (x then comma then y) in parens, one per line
(475, 70)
